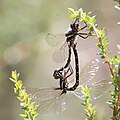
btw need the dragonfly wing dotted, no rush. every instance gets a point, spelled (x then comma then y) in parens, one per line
(89, 71)
(61, 54)
(87, 74)
(92, 77)
(99, 88)
(94, 71)
(78, 93)
(55, 39)
(50, 101)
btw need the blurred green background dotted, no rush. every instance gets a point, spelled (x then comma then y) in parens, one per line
(23, 27)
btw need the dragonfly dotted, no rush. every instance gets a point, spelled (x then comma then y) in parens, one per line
(51, 100)
(56, 99)
(47, 98)
(57, 73)
(94, 75)
(69, 43)
(61, 54)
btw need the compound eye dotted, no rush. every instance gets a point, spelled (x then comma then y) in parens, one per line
(71, 25)
(77, 25)
(56, 74)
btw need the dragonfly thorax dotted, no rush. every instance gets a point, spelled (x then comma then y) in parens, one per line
(71, 35)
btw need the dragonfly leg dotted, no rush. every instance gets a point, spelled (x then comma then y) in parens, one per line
(83, 26)
(84, 37)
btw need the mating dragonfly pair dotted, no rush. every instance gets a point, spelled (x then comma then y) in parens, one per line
(55, 100)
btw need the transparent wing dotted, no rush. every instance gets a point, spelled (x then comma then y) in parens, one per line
(93, 76)
(60, 55)
(98, 89)
(50, 101)
(89, 71)
(55, 39)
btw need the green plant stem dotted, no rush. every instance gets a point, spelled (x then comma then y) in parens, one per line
(116, 105)
(90, 109)
(110, 65)
(27, 106)
(112, 62)
(104, 53)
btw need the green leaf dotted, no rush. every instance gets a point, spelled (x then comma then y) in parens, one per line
(93, 108)
(83, 16)
(89, 14)
(27, 106)
(12, 80)
(102, 33)
(73, 16)
(91, 28)
(87, 18)
(27, 114)
(93, 20)
(71, 11)
(14, 75)
(80, 10)
(105, 40)
(22, 115)
(19, 84)
(36, 107)
(99, 45)
(102, 57)
(23, 93)
(108, 53)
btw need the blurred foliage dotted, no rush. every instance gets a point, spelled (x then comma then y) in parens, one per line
(23, 25)
(117, 6)
(90, 109)
(27, 106)
(113, 62)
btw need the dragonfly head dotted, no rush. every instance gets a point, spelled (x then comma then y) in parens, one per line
(57, 74)
(75, 25)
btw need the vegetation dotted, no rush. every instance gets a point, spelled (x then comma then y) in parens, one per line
(117, 6)
(27, 106)
(90, 111)
(113, 63)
